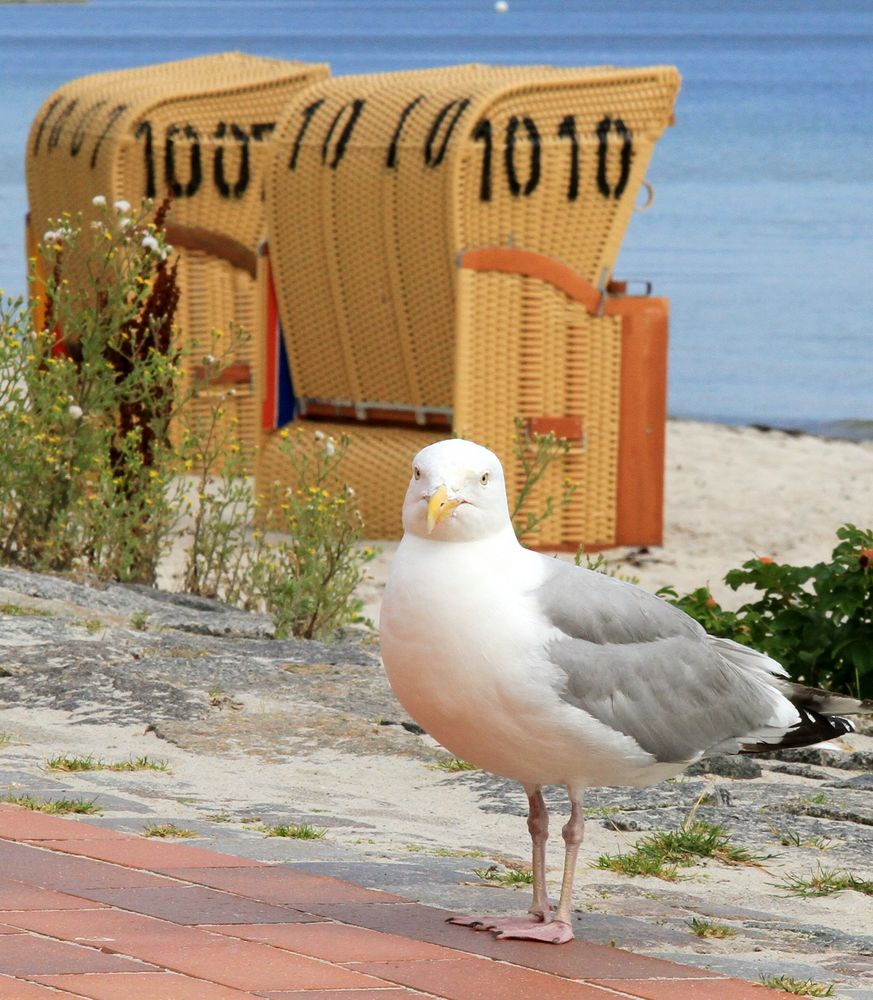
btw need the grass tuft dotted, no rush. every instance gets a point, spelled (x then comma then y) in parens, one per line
(791, 838)
(507, 877)
(54, 806)
(166, 831)
(824, 882)
(139, 620)
(663, 852)
(70, 762)
(800, 987)
(297, 831)
(453, 764)
(17, 611)
(708, 928)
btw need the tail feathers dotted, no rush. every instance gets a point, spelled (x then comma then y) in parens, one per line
(820, 713)
(825, 702)
(814, 727)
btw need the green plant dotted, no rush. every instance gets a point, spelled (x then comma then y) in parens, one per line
(70, 762)
(637, 863)
(791, 838)
(508, 877)
(139, 620)
(53, 806)
(661, 853)
(167, 830)
(708, 928)
(17, 611)
(308, 578)
(600, 564)
(297, 831)
(87, 389)
(814, 620)
(800, 987)
(824, 882)
(535, 454)
(453, 764)
(303, 562)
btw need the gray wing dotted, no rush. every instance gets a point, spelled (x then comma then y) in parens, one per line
(646, 669)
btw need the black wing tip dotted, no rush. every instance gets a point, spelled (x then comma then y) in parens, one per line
(812, 728)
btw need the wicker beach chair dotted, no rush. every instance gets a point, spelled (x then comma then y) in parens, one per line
(199, 130)
(441, 246)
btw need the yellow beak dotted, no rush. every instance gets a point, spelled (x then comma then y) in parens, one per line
(439, 507)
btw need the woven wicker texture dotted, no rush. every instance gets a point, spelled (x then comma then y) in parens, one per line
(377, 466)
(387, 177)
(200, 128)
(527, 350)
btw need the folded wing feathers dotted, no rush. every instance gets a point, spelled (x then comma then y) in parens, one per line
(630, 661)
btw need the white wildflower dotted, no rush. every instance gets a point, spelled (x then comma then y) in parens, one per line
(121, 205)
(98, 200)
(319, 435)
(124, 222)
(330, 446)
(350, 492)
(50, 235)
(150, 243)
(75, 411)
(208, 359)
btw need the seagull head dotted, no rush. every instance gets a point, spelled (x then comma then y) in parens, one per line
(457, 493)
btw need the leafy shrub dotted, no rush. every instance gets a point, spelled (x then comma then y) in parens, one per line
(304, 562)
(86, 398)
(90, 380)
(817, 621)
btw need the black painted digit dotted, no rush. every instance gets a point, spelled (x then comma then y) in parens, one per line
(195, 167)
(79, 133)
(627, 152)
(434, 159)
(114, 115)
(58, 126)
(242, 178)
(308, 114)
(45, 118)
(356, 107)
(260, 130)
(533, 177)
(604, 127)
(391, 158)
(145, 129)
(567, 130)
(482, 133)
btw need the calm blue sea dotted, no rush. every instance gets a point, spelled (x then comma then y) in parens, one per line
(762, 226)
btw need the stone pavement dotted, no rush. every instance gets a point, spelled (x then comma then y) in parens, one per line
(86, 911)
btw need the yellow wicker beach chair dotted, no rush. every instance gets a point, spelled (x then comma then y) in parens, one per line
(200, 131)
(442, 244)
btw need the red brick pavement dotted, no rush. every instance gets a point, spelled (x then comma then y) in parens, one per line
(87, 912)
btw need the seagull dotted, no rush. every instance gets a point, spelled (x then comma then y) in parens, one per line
(550, 674)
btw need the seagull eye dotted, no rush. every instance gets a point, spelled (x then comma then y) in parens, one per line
(416, 472)
(483, 479)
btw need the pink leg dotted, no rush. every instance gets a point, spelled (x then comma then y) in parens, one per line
(538, 827)
(559, 930)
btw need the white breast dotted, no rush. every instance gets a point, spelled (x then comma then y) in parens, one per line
(463, 646)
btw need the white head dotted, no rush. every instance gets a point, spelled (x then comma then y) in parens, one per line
(457, 493)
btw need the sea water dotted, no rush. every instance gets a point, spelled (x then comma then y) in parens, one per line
(760, 232)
